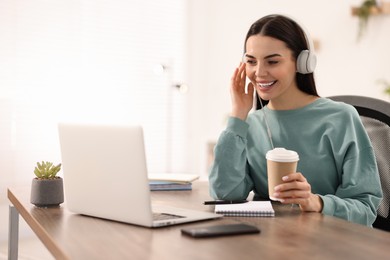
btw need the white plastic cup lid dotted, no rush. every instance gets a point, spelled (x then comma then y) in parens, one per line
(282, 155)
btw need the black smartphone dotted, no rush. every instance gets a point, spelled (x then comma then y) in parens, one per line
(220, 230)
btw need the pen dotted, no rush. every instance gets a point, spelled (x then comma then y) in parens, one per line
(214, 202)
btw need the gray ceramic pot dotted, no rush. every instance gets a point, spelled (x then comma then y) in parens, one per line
(47, 192)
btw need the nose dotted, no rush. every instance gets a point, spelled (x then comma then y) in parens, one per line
(260, 71)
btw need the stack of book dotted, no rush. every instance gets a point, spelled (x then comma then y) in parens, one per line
(171, 181)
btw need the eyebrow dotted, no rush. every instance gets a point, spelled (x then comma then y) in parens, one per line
(266, 57)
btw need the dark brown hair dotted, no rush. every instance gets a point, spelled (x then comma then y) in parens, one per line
(288, 31)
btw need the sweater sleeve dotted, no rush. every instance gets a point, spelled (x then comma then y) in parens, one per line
(229, 178)
(358, 196)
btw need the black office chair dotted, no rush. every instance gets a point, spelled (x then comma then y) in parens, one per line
(375, 115)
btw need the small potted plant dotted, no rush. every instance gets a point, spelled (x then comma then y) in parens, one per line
(47, 188)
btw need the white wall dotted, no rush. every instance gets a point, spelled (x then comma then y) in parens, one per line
(216, 35)
(89, 61)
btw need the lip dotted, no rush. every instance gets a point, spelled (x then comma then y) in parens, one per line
(265, 85)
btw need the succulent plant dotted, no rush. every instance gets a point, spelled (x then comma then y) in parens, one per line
(46, 170)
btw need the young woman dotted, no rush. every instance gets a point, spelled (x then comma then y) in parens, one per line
(337, 173)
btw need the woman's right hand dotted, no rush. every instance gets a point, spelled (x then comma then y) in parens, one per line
(242, 102)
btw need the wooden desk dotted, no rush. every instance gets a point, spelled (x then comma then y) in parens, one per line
(289, 235)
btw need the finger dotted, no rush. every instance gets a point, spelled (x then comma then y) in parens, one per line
(292, 194)
(234, 85)
(293, 185)
(251, 89)
(236, 77)
(241, 74)
(296, 176)
(241, 67)
(300, 201)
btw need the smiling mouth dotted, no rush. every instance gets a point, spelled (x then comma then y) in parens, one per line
(267, 85)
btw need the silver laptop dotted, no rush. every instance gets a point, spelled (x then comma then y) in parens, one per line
(105, 176)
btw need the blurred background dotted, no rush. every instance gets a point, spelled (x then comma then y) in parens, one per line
(163, 64)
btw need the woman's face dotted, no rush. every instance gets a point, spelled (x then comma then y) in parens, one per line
(271, 67)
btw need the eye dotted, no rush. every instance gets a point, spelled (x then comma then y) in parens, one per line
(250, 61)
(273, 62)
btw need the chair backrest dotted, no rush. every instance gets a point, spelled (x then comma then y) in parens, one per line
(375, 115)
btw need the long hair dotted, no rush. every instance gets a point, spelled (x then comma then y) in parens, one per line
(288, 31)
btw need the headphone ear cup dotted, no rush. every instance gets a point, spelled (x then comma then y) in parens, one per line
(306, 62)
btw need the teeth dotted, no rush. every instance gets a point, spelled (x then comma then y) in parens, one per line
(266, 85)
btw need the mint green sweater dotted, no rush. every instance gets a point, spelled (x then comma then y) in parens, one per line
(336, 157)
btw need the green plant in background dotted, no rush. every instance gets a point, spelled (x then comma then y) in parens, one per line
(387, 90)
(386, 84)
(363, 13)
(46, 170)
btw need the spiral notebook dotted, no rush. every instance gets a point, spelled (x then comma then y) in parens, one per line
(247, 209)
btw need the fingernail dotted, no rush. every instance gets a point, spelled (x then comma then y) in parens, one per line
(285, 178)
(276, 194)
(276, 188)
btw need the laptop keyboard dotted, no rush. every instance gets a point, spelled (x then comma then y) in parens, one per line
(164, 216)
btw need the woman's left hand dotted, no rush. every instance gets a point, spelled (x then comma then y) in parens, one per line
(296, 190)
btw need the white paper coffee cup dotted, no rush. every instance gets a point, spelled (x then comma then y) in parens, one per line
(280, 162)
